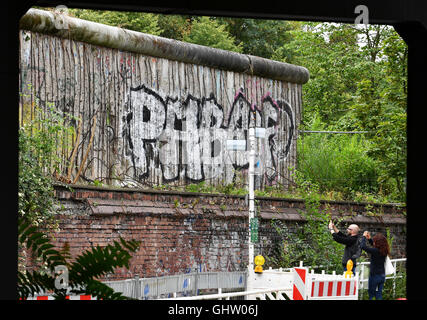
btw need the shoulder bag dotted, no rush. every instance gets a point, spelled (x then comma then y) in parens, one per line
(388, 266)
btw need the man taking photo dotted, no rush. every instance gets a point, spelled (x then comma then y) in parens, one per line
(352, 248)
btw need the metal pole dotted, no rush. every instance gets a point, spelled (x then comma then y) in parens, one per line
(251, 194)
(394, 279)
(136, 279)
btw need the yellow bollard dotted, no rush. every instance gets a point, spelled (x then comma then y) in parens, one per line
(259, 261)
(349, 273)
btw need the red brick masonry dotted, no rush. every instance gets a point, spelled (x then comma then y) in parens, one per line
(186, 231)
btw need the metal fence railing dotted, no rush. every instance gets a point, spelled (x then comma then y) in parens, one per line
(179, 285)
(363, 269)
(200, 283)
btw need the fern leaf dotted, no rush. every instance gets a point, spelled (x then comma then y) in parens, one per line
(98, 261)
(33, 283)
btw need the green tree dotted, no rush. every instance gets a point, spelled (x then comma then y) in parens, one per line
(137, 21)
(381, 109)
(209, 32)
(174, 26)
(357, 82)
(336, 65)
(258, 37)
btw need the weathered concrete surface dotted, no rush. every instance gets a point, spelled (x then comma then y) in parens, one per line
(112, 37)
(154, 111)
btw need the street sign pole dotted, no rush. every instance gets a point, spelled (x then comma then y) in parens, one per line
(252, 221)
(251, 195)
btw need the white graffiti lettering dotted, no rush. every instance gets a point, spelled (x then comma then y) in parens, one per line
(187, 137)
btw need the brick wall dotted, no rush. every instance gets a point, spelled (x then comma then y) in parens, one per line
(180, 232)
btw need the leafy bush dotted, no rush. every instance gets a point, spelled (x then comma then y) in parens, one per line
(39, 141)
(392, 290)
(211, 33)
(138, 21)
(312, 243)
(337, 162)
(395, 289)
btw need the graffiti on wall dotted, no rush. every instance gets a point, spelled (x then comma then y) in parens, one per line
(186, 136)
(157, 121)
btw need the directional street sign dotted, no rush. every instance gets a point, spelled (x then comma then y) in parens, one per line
(254, 230)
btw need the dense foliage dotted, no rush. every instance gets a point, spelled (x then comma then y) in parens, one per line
(39, 141)
(310, 242)
(357, 83)
(337, 162)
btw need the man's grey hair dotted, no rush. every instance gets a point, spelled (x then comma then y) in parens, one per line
(354, 227)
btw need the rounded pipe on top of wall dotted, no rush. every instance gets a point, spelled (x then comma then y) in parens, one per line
(64, 26)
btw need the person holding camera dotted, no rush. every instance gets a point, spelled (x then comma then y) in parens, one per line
(378, 253)
(350, 240)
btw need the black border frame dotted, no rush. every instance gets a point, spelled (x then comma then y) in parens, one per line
(408, 17)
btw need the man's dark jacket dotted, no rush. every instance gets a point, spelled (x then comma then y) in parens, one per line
(349, 242)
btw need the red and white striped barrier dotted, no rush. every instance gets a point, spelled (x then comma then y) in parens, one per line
(336, 289)
(300, 284)
(310, 286)
(49, 297)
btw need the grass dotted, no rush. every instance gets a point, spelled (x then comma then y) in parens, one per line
(275, 192)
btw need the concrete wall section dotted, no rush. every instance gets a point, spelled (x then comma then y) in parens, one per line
(158, 112)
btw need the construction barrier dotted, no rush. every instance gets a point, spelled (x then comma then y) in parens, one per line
(269, 279)
(333, 289)
(299, 284)
(50, 297)
(311, 286)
